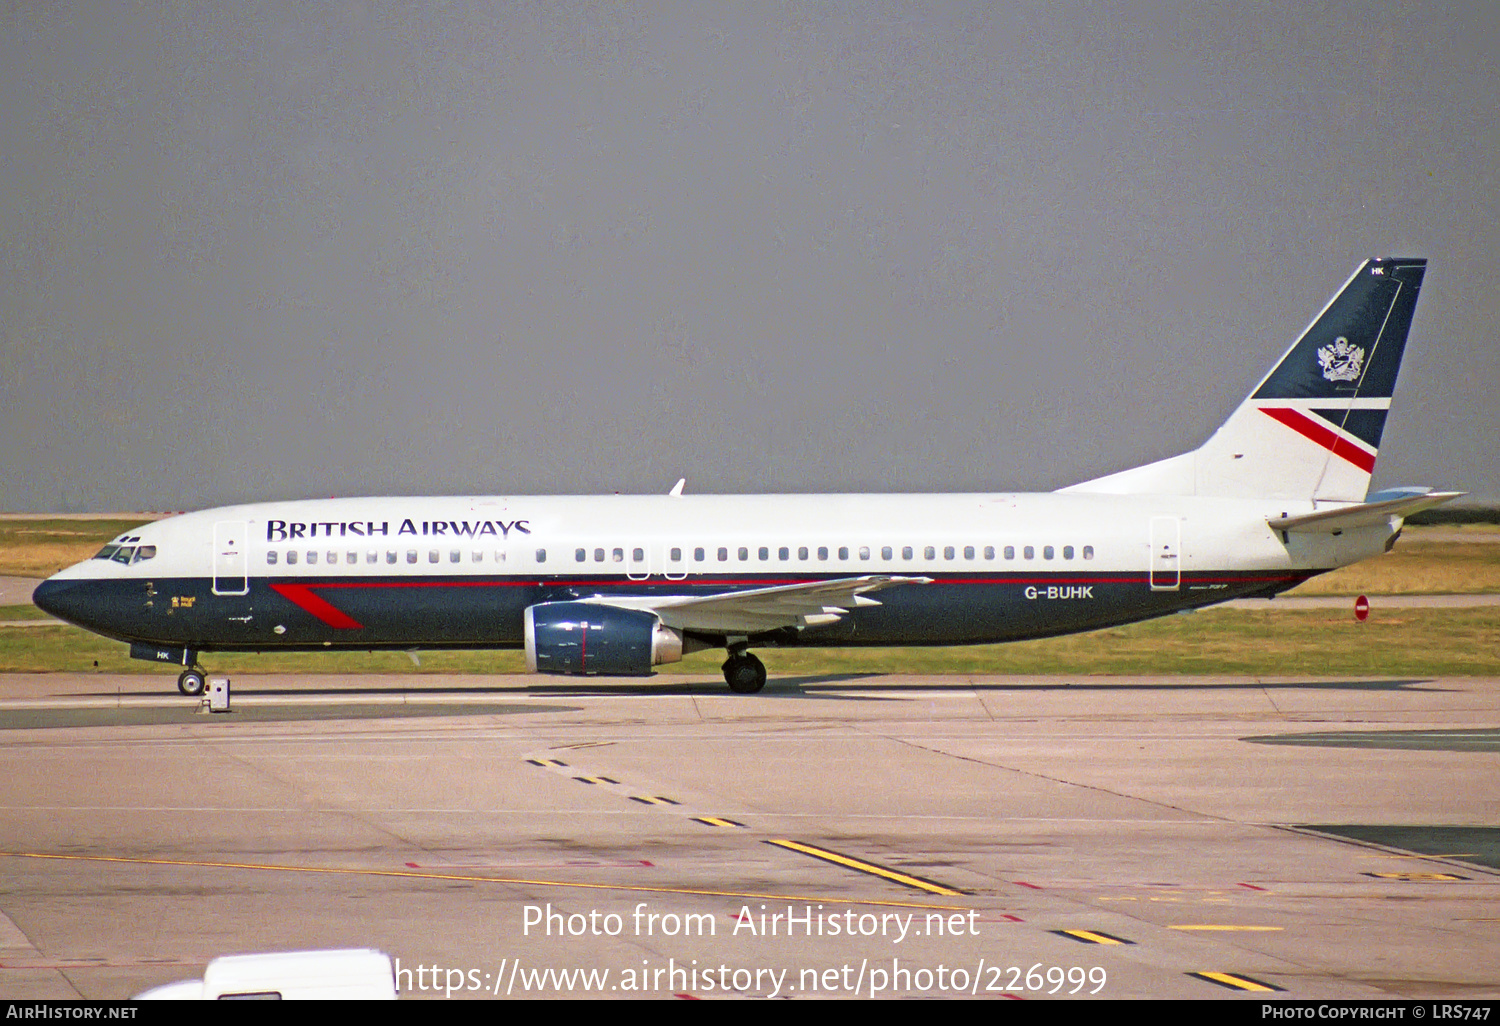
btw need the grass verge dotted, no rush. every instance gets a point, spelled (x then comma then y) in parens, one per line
(40, 548)
(1398, 642)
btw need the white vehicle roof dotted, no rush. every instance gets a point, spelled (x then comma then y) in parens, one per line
(361, 974)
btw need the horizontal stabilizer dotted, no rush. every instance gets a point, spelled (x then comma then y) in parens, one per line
(1364, 514)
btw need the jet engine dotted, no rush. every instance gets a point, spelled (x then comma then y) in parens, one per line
(584, 638)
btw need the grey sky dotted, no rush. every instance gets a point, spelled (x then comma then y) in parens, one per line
(297, 249)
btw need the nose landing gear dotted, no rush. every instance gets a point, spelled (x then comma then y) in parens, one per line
(192, 681)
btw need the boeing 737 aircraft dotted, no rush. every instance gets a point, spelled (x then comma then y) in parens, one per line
(616, 585)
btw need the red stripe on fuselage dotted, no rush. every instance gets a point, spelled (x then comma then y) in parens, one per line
(302, 596)
(1313, 431)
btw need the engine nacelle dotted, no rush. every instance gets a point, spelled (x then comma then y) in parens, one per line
(584, 638)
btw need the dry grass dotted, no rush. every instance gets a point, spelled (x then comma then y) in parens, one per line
(40, 548)
(1417, 567)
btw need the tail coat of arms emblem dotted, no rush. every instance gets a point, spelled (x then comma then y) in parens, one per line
(1341, 361)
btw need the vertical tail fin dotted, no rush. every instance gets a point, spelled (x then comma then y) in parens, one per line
(1311, 429)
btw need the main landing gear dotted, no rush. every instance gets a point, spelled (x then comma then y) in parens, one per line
(192, 681)
(744, 673)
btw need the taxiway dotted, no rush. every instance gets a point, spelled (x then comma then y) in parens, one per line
(514, 835)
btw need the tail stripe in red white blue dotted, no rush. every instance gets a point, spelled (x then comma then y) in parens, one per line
(1310, 431)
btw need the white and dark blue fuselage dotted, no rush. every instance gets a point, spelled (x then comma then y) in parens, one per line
(619, 584)
(460, 572)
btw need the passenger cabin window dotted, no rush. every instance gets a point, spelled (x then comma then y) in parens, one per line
(312, 557)
(411, 555)
(989, 552)
(372, 556)
(676, 556)
(433, 555)
(929, 553)
(598, 555)
(948, 552)
(802, 552)
(1010, 552)
(390, 557)
(822, 551)
(1029, 552)
(864, 552)
(764, 553)
(968, 552)
(698, 555)
(291, 557)
(1067, 552)
(617, 556)
(271, 558)
(783, 553)
(723, 555)
(455, 556)
(843, 552)
(1046, 551)
(639, 555)
(541, 555)
(886, 552)
(580, 554)
(906, 552)
(744, 553)
(1088, 552)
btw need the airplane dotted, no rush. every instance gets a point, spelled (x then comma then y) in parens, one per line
(618, 585)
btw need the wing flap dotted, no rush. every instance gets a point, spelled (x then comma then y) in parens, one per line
(763, 609)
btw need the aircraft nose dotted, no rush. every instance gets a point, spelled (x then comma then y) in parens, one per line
(66, 600)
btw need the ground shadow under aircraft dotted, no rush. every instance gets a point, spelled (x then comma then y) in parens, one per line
(842, 686)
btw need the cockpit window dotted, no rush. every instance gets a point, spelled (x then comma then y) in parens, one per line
(126, 553)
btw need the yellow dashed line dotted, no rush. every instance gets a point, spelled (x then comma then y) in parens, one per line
(905, 879)
(1236, 982)
(1093, 936)
(1417, 876)
(414, 875)
(716, 821)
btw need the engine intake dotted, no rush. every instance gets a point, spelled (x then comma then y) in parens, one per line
(584, 638)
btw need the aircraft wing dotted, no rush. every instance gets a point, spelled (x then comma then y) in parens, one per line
(1364, 514)
(762, 609)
